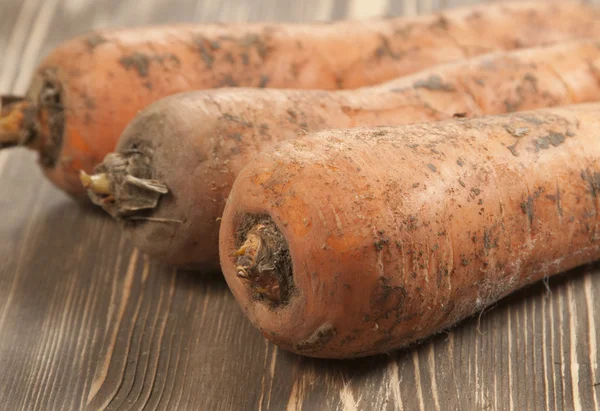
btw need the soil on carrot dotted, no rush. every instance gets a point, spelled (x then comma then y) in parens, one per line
(264, 260)
(318, 339)
(43, 123)
(137, 61)
(51, 99)
(434, 83)
(140, 62)
(94, 40)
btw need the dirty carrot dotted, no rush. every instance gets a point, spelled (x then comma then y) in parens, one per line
(87, 90)
(177, 161)
(355, 242)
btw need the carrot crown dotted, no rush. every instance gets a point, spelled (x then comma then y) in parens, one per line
(123, 186)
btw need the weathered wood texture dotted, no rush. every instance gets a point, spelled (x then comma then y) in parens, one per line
(86, 322)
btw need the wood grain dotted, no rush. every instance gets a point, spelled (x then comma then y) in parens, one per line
(87, 322)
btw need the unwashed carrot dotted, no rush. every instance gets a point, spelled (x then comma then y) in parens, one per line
(356, 242)
(175, 164)
(88, 89)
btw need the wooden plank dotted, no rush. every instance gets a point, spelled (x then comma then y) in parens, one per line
(86, 322)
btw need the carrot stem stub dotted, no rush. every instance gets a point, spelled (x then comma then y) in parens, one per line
(35, 121)
(396, 233)
(264, 262)
(123, 185)
(15, 113)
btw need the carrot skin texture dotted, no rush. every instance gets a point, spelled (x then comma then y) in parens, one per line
(106, 77)
(211, 135)
(398, 233)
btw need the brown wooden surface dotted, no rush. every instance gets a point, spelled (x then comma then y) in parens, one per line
(86, 322)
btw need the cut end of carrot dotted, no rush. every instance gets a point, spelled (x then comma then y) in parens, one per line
(263, 262)
(15, 113)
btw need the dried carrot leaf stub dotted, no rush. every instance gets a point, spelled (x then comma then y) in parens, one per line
(397, 233)
(123, 185)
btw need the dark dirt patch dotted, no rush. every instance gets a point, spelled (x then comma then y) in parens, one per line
(517, 132)
(532, 80)
(556, 139)
(318, 339)
(385, 50)
(435, 83)
(228, 81)
(205, 49)
(593, 180)
(558, 201)
(380, 244)
(531, 119)
(140, 62)
(236, 136)
(264, 80)
(387, 300)
(94, 40)
(527, 207)
(89, 102)
(552, 139)
(245, 58)
(542, 143)
(349, 338)
(441, 23)
(489, 241)
(255, 41)
(511, 106)
(50, 128)
(411, 222)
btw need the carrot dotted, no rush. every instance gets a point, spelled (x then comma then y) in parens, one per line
(86, 91)
(360, 241)
(193, 145)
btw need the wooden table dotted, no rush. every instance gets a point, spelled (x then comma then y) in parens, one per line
(87, 322)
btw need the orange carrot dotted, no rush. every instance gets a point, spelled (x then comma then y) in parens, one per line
(86, 91)
(355, 242)
(175, 164)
